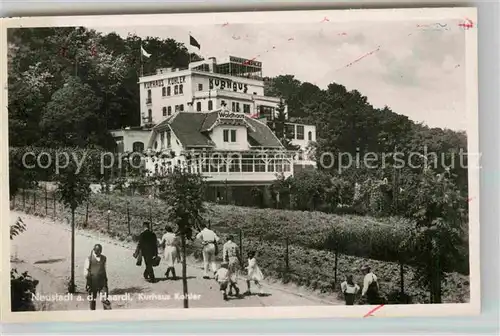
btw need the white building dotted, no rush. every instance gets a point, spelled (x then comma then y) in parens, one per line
(206, 86)
(215, 119)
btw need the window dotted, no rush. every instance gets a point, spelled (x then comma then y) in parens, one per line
(234, 165)
(169, 110)
(169, 91)
(246, 108)
(233, 105)
(210, 105)
(225, 134)
(138, 147)
(176, 89)
(198, 106)
(176, 108)
(181, 89)
(200, 87)
(309, 136)
(181, 107)
(300, 132)
(162, 140)
(266, 111)
(247, 164)
(237, 107)
(164, 111)
(168, 139)
(163, 91)
(149, 93)
(290, 131)
(148, 100)
(150, 115)
(270, 165)
(156, 144)
(233, 135)
(260, 165)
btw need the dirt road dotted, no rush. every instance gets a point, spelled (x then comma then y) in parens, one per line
(44, 251)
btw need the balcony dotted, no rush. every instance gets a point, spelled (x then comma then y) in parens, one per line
(245, 166)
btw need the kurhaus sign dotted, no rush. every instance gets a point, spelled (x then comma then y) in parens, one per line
(161, 82)
(216, 83)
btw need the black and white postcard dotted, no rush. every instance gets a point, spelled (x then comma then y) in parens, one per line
(240, 165)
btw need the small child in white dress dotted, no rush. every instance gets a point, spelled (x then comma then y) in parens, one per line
(253, 273)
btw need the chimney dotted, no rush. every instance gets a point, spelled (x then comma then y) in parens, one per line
(212, 61)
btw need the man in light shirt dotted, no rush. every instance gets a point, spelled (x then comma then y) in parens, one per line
(94, 272)
(370, 286)
(209, 241)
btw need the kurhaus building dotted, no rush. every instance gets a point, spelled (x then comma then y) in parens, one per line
(214, 119)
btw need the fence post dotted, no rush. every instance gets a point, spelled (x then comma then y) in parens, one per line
(109, 212)
(54, 201)
(46, 202)
(336, 265)
(241, 244)
(87, 214)
(402, 276)
(151, 216)
(287, 265)
(128, 219)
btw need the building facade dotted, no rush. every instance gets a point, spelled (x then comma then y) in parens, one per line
(207, 86)
(215, 119)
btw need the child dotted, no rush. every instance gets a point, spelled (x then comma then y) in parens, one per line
(254, 274)
(222, 277)
(350, 290)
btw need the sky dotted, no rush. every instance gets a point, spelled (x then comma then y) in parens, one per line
(415, 68)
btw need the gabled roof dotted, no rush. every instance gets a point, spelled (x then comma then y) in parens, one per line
(192, 129)
(262, 136)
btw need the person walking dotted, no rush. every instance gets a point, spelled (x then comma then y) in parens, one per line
(171, 253)
(230, 256)
(370, 286)
(95, 274)
(148, 246)
(222, 277)
(350, 290)
(254, 274)
(209, 241)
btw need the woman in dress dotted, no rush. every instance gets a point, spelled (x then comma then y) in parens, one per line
(171, 254)
(253, 273)
(350, 290)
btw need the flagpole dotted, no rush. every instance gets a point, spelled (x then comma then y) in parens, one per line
(142, 64)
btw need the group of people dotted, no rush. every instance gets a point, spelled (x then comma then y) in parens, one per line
(369, 293)
(226, 274)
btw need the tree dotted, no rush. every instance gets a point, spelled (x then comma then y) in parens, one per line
(74, 189)
(439, 212)
(72, 117)
(183, 192)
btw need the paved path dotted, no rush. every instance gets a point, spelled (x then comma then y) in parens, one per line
(44, 250)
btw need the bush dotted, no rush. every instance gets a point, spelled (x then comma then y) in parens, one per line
(22, 289)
